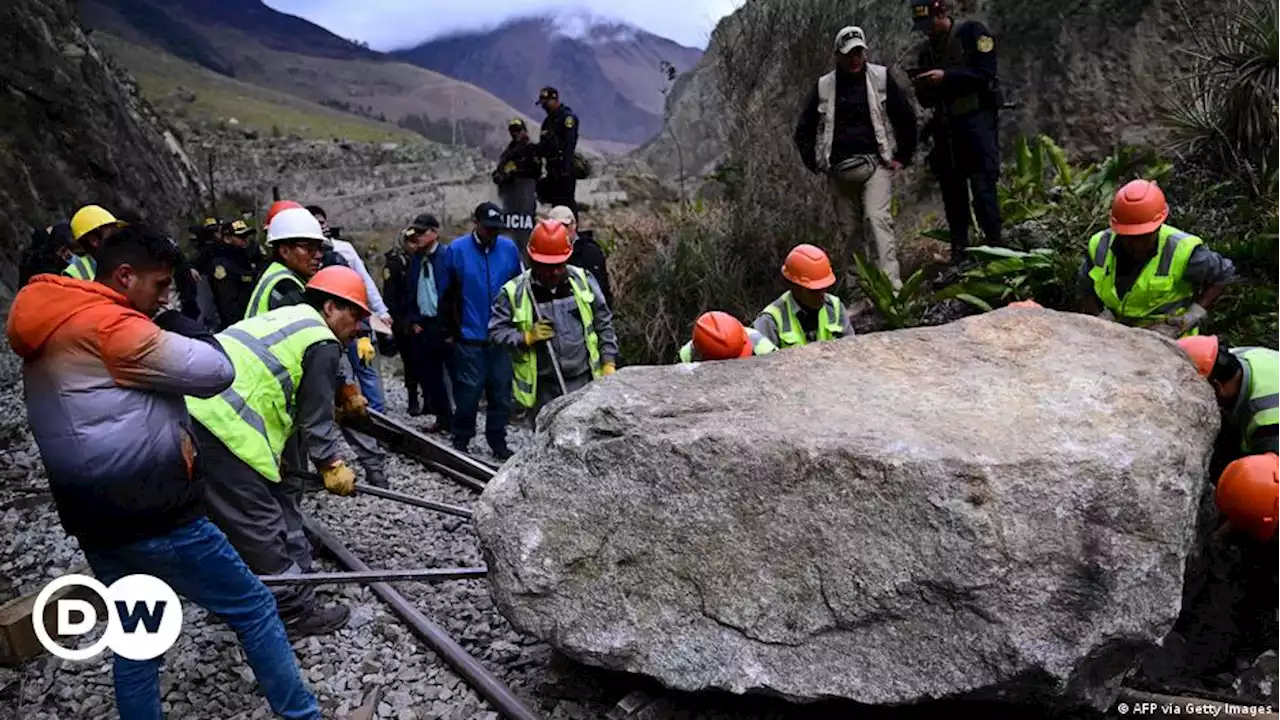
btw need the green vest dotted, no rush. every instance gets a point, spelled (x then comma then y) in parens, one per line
(254, 417)
(1259, 403)
(790, 334)
(524, 361)
(82, 267)
(760, 345)
(1161, 289)
(261, 297)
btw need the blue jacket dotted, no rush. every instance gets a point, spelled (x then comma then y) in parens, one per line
(409, 292)
(469, 279)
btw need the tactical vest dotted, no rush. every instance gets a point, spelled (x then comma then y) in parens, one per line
(1161, 290)
(254, 417)
(760, 345)
(82, 267)
(790, 334)
(1259, 403)
(877, 96)
(524, 361)
(260, 300)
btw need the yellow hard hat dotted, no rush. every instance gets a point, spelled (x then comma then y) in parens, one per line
(90, 218)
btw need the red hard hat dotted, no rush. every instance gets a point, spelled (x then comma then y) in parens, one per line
(1203, 351)
(809, 267)
(1026, 304)
(1138, 208)
(277, 206)
(719, 336)
(549, 243)
(1249, 494)
(341, 282)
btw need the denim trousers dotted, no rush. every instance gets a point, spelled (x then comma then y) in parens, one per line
(198, 562)
(367, 377)
(482, 369)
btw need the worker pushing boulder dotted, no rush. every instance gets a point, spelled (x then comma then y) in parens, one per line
(1002, 506)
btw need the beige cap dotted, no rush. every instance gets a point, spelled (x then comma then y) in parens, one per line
(849, 38)
(561, 214)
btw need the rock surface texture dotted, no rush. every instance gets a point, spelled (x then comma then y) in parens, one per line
(998, 507)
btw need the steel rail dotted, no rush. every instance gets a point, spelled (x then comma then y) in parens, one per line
(499, 696)
(415, 501)
(370, 576)
(457, 466)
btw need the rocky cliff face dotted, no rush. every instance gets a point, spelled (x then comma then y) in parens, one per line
(73, 130)
(1090, 73)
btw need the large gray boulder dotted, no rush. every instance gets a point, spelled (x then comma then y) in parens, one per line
(1001, 506)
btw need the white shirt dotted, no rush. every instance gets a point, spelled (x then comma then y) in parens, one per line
(348, 253)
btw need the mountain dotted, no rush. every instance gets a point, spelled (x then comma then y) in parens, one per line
(253, 43)
(609, 73)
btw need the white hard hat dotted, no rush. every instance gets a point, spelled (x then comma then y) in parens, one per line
(294, 224)
(849, 38)
(561, 214)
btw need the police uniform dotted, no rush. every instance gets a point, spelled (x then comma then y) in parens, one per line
(516, 176)
(232, 279)
(966, 147)
(556, 145)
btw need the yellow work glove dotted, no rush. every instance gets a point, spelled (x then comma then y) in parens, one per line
(542, 331)
(351, 404)
(339, 479)
(608, 369)
(364, 349)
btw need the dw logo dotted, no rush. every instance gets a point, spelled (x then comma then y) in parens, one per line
(144, 617)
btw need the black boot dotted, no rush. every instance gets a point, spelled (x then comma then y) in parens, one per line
(318, 622)
(414, 408)
(376, 478)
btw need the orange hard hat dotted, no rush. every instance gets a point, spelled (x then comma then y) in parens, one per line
(808, 267)
(719, 336)
(1203, 351)
(1026, 304)
(549, 243)
(341, 282)
(277, 206)
(1249, 494)
(1138, 208)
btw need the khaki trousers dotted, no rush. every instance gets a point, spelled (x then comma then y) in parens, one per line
(862, 205)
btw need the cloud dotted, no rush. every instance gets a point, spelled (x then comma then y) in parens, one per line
(395, 24)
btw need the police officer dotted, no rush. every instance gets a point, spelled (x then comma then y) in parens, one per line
(517, 175)
(231, 273)
(954, 73)
(556, 146)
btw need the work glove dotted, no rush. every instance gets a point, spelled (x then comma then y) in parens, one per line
(1189, 320)
(351, 404)
(339, 479)
(1107, 315)
(364, 350)
(541, 332)
(608, 369)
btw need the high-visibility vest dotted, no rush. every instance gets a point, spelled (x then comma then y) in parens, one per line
(82, 267)
(1259, 403)
(260, 299)
(524, 361)
(760, 345)
(1161, 290)
(790, 334)
(254, 417)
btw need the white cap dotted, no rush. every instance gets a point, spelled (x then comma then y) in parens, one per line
(294, 224)
(561, 214)
(849, 38)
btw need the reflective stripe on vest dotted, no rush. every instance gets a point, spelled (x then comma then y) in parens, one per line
(260, 299)
(82, 267)
(524, 361)
(790, 334)
(1259, 404)
(1160, 290)
(760, 345)
(254, 417)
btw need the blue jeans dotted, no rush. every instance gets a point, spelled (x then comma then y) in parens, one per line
(370, 384)
(198, 562)
(482, 369)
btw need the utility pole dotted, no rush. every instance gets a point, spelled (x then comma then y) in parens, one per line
(213, 194)
(453, 114)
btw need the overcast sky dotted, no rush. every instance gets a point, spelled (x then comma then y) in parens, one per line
(394, 24)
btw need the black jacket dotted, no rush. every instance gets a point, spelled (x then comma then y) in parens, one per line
(968, 55)
(853, 133)
(519, 160)
(232, 279)
(558, 141)
(395, 270)
(588, 255)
